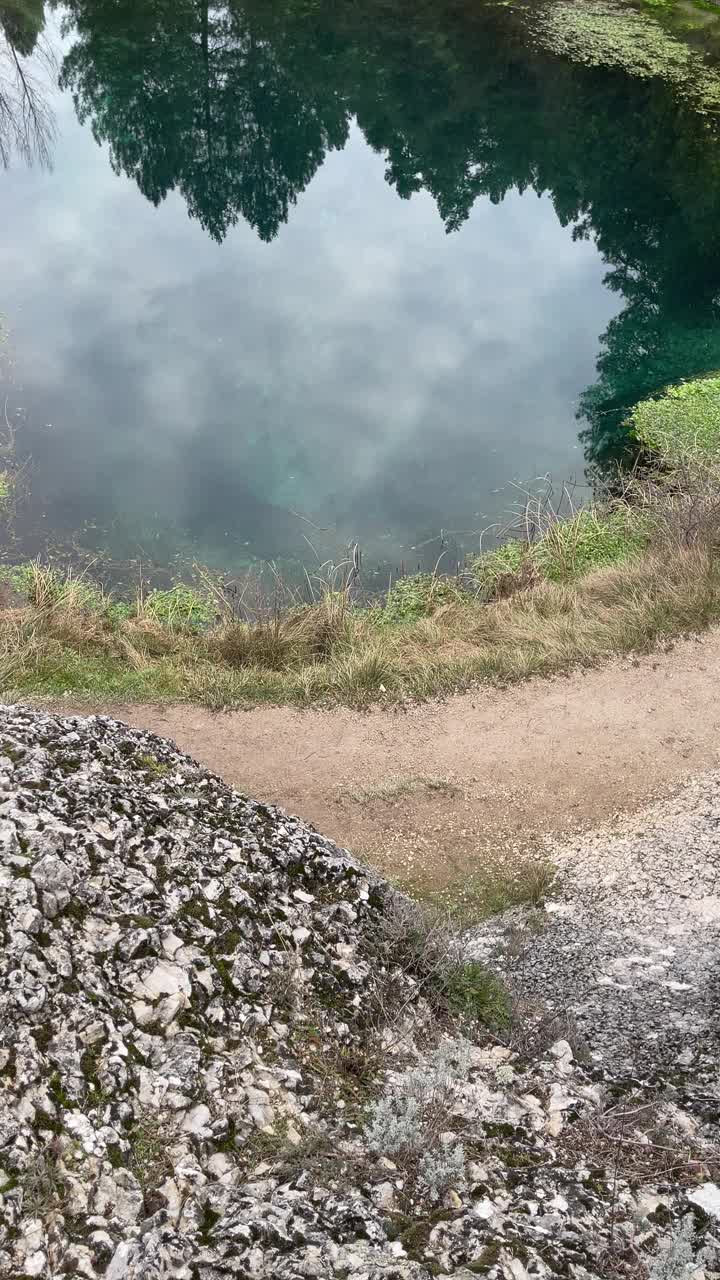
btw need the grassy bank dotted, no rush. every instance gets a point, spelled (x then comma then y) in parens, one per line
(623, 576)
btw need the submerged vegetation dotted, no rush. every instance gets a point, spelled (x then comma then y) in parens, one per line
(614, 35)
(621, 576)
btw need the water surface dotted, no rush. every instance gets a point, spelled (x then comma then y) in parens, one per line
(305, 277)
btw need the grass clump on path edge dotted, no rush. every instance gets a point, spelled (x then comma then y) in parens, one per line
(608, 580)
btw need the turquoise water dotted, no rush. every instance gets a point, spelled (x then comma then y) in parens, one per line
(303, 275)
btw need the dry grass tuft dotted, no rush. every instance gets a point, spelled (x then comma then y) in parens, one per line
(397, 787)
(286, 640)
(636, 1138)
(260, 644)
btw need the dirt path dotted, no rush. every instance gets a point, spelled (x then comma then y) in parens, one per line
(434, 793)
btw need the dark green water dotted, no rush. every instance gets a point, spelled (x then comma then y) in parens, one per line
(358, 267)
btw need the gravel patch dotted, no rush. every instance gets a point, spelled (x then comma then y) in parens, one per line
(211, 1065)
(630, 944)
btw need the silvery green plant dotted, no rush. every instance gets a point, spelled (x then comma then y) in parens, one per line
(681, 1259)
(407, 1119)
(440, 1170)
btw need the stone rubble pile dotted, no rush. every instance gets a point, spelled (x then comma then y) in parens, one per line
(630, 944)
(191, 1041)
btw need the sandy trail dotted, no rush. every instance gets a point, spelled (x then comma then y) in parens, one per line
(546, 757)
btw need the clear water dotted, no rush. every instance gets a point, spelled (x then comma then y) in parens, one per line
(308, 273)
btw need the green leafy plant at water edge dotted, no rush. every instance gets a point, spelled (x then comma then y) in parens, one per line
(418, 597)
(590, 539)
(682, 423)
(180, 606)
(44, 587)
(6, 490)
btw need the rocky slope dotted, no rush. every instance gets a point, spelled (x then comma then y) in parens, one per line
(227, 1050)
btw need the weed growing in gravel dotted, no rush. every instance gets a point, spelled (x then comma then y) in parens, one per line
(43, 1185)
(149, 1159)
(424, 944)
(474, 992)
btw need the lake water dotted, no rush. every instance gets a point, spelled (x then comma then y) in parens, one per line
(301, 274)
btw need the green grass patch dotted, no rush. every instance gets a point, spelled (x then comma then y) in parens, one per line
(591, 540)
(56, 673)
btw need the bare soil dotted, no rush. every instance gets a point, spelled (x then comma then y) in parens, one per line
(435, 793)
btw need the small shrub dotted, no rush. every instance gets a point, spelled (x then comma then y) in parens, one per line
(683, 422)
(423, 944)
(440, 1170)
(681, 1259)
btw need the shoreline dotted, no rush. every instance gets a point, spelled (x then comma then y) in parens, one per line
(622, 576)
